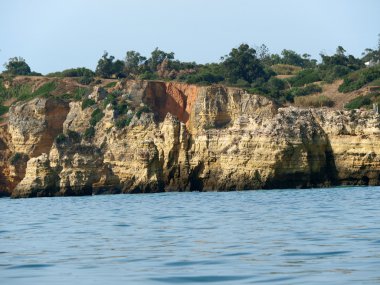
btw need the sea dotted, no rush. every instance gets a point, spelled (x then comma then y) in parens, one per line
(291, 236)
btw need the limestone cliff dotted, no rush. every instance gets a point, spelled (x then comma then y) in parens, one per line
(177, 137)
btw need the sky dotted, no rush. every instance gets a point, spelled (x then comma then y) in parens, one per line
(53, 35)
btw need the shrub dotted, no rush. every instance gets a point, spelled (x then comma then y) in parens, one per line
(242, 83)
(121, 108)
(110, 99)
(73, 136)
(204, 78)
(331, 73)
(79, 93)
(303, 91)
(89, 133)
(304, 77)
(24, 91)
(87, 103)
(358, 79)
(86, 80)
(144, 109)
(376, 82)
(73, 72)
(359, 102)
(148, 75)
(44, 91)
(96, 116)
(16, 91)
(60, 139)
(123, 122)
(315, 101)
(3, 110)
(110, 84)
(17, 157)
(17, 66)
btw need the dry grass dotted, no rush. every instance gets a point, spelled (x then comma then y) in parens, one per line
(286, 69)
(315, 101)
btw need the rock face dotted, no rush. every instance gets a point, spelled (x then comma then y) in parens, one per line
(40, 180)
(6, 179)
(193, 139)
(34, 126)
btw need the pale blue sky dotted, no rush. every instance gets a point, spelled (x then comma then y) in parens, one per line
(54, 35)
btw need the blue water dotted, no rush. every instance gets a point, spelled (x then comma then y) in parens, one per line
(253, 237)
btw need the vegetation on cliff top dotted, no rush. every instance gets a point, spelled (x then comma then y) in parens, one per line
(282, 77)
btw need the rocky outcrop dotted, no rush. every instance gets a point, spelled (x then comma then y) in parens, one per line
(6, 181)
(40, 180)
(354, 140)
(34, 125)
(192, 139)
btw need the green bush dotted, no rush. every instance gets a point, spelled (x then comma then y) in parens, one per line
(17, 157)
(24, 91)
(303, 91)
(87, 103)
(45, 90)
(121, 108)
(96, 116)
(359, 102)
(3, 110)
(73, 136)
(89, 133)
(86, 80)
(148, 75)
(376, 82)
(16, 91)
(358, 79)
(110, 84)
(17, 66)
(241, 83)
(123, 122)
(60, 139)
(304, 77)
(79, 93)
(144, 109)
(73, 72)
(110, 99)
(331, 73)
(204, 78)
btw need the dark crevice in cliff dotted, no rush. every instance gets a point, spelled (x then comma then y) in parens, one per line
(330, 173)
(196, 183)
(331, 170)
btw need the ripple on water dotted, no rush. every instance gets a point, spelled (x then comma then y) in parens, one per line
(30, 266)
(200, 279)
(191, 263)
(327, 253)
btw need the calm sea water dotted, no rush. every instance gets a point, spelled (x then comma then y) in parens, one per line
(269, 237)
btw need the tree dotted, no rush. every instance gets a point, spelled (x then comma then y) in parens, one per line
(242, 63)
(107, 67)
(118, 68)
(17, 66)
(157, 57)
(292, 58)
(133, 62)
(340, 51)
(264, 55)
